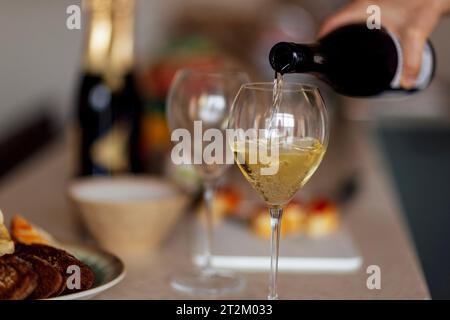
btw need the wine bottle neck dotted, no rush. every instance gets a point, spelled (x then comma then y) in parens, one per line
(110, 41)
(99, 35)
(289, 57)
(122, 46)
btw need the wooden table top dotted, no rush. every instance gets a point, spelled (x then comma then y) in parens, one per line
(374, 218)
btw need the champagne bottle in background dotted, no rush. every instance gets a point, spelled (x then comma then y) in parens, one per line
(353, 60)
(108, 103)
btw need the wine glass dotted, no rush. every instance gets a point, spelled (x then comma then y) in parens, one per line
(200, 100)
(278, 146)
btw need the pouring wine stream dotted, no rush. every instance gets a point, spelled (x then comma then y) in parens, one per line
(277, 96)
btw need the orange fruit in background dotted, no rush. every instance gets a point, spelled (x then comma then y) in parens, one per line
(155, 132)
(231, 197)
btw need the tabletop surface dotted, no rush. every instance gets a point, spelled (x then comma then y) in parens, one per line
(374, 218)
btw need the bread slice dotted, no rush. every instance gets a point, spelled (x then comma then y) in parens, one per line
(50, 281)
(61, 260)
(17, 278)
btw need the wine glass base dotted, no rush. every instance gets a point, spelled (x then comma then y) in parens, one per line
(214, 282)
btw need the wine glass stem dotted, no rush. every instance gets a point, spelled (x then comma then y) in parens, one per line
(208, 196)
(275, 220)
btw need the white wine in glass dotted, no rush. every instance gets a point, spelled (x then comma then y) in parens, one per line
(295, 164)
(278, 143)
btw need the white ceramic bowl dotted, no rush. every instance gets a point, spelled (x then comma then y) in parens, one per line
(128, 215)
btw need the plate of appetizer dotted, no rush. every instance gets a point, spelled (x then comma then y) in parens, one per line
(33, 265)
(316, 238)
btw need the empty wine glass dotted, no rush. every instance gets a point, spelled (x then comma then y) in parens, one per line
(198, 101)
(278, 149)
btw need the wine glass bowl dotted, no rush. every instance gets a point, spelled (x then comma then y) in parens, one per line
(301, 114)
(278, 143)
(203, 96)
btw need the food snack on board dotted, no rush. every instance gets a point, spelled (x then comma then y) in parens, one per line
(318, 219)
(293, 222)
(323, 218)
(33, 266)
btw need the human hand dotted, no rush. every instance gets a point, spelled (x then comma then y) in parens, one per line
(412, 21)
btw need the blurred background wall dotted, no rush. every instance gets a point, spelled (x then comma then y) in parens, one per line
(40, 58)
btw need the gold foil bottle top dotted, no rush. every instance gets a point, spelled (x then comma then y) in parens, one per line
(110, 39)
(122, 46)
(99, 35)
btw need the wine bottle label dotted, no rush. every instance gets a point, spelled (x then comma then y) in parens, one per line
(426, 68)
(426, 71)
(110, 151)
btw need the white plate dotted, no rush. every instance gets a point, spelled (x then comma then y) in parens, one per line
(109, 270)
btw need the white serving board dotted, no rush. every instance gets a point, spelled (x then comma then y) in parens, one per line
(235, 247)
